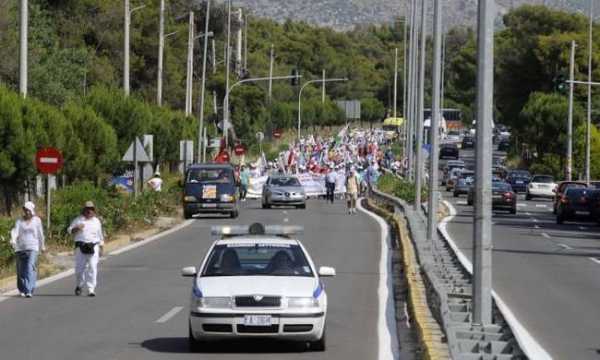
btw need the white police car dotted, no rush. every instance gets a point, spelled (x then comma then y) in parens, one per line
(257, 281)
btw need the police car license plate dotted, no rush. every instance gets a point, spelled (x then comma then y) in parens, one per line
(209, 205)
(257, 320)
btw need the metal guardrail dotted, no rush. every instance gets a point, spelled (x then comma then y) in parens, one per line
(449, 294)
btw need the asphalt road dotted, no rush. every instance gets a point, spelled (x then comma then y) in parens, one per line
(139, 287)
(548, 274)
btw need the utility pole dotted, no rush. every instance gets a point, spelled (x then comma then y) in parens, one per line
(24, 53)
(214, 57)
(323, 92)
(442, 82)
(238, 48)
(589, 97)
(395, 79)
(272, 59)
(419, 133)
(161, 49)
(126, 49)
(190, 66)
(570, 119)
(411, 90)
(227, 61)
(482, 215)
(246, 42)
(203, 86)
(404, 72)
(435, 122)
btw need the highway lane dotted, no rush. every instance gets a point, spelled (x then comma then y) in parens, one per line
(142, 304)
(544, 272)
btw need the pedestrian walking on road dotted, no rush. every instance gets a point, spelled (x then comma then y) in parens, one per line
(244, 180)
(89, 240)
(352, 188)
(27, 238)
(330, 180)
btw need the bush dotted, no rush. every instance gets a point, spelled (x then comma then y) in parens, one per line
(400, 188)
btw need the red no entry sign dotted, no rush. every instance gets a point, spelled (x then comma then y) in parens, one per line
(277, 133)
(48, 160)
(239, 150)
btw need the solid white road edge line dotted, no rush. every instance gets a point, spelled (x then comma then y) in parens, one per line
(526, 341)
(166, 317)
(387, 334)
(69, 272)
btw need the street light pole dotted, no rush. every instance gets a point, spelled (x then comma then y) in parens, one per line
(300, 97)
(395, 79)
(227, 63)
(23, 54)
(410, 92)
(203, 86)
(482, 215)
(271, 60)
(404, 75)
(570, 119)
(266, 78)
(190, 66)
(589, 97)
(435, 122)
(419, 133)
(161, 49)
(128, 13)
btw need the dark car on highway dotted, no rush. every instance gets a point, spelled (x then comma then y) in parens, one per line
(464, 183)
(562, 187)
(449, 151)
(468, 142)
(503, 145)
(210, 188)
(518, 179)
(503, 196)
(576, 203)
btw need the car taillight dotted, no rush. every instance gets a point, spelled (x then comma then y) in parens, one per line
(564, 200)
(508, 194)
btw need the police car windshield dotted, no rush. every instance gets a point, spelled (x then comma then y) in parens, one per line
(209, 176)
(266, 259)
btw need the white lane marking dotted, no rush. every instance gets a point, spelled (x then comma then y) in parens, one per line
(565, 246)
(541, 205)
(286, 220)
(536, 226)
(582, 228)
(596, 260)
(521, 205)
(528, 213)
(461, 202)
(545, 235)
(71, 271)
(285, 212)
(534, 220)
(386, 328)
(530, 346)
(166, 317)
(151, 238)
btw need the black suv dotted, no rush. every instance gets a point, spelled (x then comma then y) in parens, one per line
(576, 204)
(468, 142)
(210, 188)
(449, 151)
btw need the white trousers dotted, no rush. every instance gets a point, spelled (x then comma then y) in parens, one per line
(86, 268)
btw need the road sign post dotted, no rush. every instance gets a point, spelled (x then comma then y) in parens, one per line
(48, 161)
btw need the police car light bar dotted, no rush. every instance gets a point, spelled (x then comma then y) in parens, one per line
(256, 229)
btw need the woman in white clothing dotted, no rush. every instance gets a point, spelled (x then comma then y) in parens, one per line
(27, 238)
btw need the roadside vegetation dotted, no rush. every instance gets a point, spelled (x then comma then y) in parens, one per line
(400, 188)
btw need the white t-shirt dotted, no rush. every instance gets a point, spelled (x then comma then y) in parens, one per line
(155, 183)
(331, 176)
(91, 232)
(28, 235)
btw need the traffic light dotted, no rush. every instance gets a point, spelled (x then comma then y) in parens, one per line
(295, 77)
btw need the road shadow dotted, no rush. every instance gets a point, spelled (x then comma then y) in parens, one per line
(179, 345)
(554, 253)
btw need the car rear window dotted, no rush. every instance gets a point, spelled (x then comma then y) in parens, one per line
(545, 179)
(216, 176)
(573, 186)
(501, 186)
(573, 192)
(261, 259)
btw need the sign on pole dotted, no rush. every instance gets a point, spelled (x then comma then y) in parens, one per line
(48, 161)
(239, 150)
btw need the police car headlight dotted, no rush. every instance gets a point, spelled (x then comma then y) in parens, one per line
(214, 302)
(302, 302)
(227, 198)
(190, 198)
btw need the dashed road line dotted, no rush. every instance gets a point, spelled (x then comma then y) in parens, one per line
(521, 205)
(166, 317)
(546, 235)
(461, 203)
(536, 226)
(286, 220)
(528, 213)
(534, 220)
(582, 228)
(565, 246)
(285, 212)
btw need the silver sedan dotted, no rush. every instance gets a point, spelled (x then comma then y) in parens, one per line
(283, 190)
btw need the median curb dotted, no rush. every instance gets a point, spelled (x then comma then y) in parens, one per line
(429, 332)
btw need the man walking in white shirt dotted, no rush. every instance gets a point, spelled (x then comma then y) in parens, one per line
(89, 238)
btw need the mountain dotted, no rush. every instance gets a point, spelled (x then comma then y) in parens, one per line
(346, 14)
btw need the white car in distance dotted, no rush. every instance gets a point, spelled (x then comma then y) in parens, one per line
(257, 282)
(540, 186)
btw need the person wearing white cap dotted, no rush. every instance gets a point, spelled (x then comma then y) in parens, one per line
(155, 182)
(27, 238)
(89, 239)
